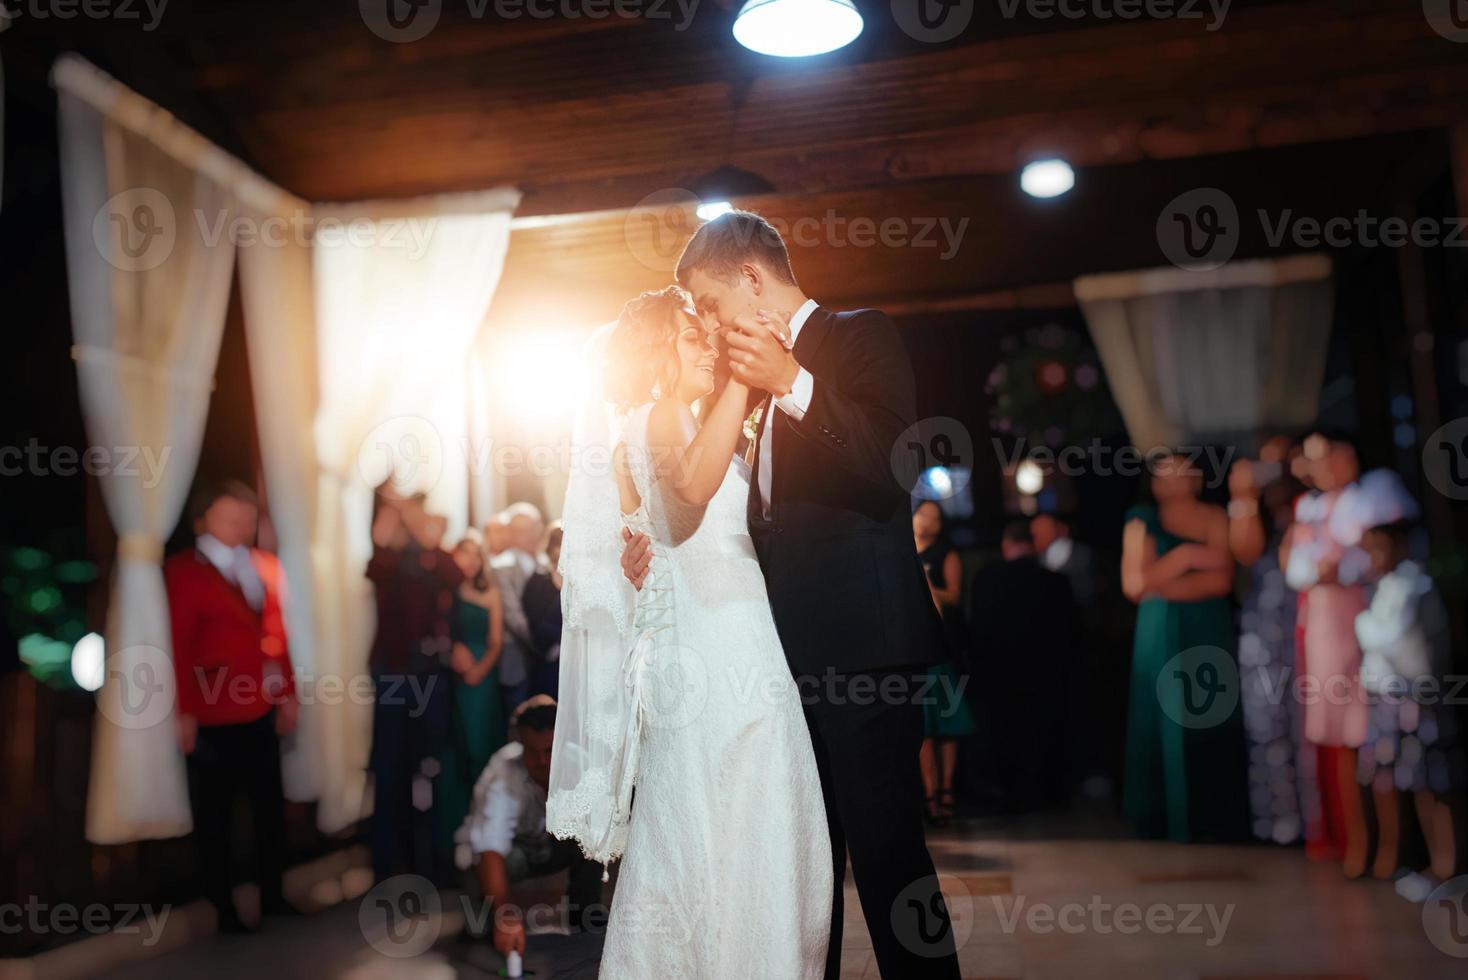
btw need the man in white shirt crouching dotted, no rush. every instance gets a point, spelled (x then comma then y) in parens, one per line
(505, 833)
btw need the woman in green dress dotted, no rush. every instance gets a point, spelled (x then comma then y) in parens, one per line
(479, 726)
(1186, 764)
(946, 714)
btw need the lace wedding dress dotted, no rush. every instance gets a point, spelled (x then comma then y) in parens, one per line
(727, 866)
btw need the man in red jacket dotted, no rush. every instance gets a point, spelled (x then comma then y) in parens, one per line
(236, 690)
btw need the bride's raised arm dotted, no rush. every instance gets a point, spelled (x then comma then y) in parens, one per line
(694, 459)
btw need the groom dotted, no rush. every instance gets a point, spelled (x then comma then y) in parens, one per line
(833, 530)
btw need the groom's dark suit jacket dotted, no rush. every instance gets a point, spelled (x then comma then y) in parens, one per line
(845, 583)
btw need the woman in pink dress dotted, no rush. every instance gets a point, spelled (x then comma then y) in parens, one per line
(1324, 562)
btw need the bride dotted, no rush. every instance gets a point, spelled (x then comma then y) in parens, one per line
(681, 691)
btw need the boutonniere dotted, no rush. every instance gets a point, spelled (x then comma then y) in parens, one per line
(751, 424)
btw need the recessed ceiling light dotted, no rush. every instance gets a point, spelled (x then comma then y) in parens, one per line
(797, 28)
(711, 210)
(1047, 178)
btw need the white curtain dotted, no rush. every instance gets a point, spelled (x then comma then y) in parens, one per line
(1193, 356)
(276, 295)
(148, 297)
(399, 301)
(358, 340)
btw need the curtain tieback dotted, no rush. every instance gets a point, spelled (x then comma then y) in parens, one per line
(139, 547)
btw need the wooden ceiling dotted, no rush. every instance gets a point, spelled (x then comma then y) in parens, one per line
(1308, 103)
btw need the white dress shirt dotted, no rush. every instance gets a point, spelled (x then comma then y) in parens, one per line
(237, 566)
(793, 403)
(508, 807)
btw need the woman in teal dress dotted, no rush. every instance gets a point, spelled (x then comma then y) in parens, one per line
(946, 714)
(1186, 763)
(479, 726)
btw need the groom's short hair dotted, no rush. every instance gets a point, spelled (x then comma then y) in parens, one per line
(722, 245)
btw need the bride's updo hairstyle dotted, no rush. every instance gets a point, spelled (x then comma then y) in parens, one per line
(642, 354)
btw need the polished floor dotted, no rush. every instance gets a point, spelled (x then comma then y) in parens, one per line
(1043, 898)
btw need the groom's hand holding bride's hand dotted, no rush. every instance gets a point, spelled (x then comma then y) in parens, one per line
(636, 557)
(759, 351)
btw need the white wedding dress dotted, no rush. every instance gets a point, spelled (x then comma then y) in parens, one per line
(727, 866)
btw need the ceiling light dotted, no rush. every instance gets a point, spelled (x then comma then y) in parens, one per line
(1047, 178)
(797, 28)
(712, 210)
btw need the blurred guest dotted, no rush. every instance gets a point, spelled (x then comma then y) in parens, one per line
(496, 535)
(542, 602)
(1262, 496)
(480, 725)
(1062, 553)
(1329, 572)
(946, 714)
(1412, 743)
(512, 569)
(1022, 633)
(506, 836)
(415, 581)
(236, 689)
(1185, 777)
(1092, 670)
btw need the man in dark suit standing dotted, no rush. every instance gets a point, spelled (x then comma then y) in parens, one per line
(1023, 638)
(833, 529)
(236, 689)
